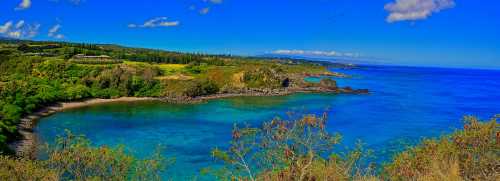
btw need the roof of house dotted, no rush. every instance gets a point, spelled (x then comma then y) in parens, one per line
(85, 56)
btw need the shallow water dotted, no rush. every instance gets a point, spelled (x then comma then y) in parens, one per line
(405, 103)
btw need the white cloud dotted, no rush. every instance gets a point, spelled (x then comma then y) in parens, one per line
(6, 27)
(216, 1)
(315, 53)
(54, 32)
(155, 22)
(14, 34)
(411, 10)
(54, 29)
(59, 36)
(33, 30)
(213, 1)
(19, 30)
(25, 4)
(20, 24)
(75, 2)
(207, 5)
(204, 11)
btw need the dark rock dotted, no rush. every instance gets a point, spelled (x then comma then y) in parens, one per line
(362, 91)
(285, 83)
(328, 83)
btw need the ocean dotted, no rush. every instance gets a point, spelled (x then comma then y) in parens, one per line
(405, 105)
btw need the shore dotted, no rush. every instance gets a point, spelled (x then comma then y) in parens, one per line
(26, 146)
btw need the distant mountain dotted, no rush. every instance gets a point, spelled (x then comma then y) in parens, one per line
(2, 38)
(339, 60)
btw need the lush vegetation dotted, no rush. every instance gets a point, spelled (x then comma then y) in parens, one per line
(72, 158)
(301, 149)
(469, 154)
(298, 149)
(35, 74)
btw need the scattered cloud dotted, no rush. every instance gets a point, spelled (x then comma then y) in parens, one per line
(33, 30)
(54, 32)
(412, 10)
(20, 24)
(155, 22)
(6, 27)
(213, 1)
(316, 53)
(206, 6)
(75, 2)
(19, 30)
(216, 1)
(25, 4)
(204, 11)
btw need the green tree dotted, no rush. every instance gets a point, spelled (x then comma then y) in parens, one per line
(286, 150)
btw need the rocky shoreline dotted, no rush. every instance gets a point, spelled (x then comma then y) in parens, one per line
(26, 146)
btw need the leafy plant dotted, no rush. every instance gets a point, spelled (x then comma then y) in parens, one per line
(286, 150)
(73, 158)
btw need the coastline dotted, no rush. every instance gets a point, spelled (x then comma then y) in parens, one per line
(26, 146)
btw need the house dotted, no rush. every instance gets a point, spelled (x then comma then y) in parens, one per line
(99, 57)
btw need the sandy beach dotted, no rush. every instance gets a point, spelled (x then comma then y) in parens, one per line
(26, 146)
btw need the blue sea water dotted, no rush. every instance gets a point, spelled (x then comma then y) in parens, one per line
(405, 103)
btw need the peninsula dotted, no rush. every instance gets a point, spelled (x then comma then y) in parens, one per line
(40, 78)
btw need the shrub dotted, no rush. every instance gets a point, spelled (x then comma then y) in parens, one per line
(18, 169)
(287, 150)
(73, 158)
(264, 78)
(75, 92)
(469, 154)
(201, 88)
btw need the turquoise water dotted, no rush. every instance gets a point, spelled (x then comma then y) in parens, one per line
(405, 103)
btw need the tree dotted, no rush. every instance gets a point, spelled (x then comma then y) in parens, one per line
(283, 150)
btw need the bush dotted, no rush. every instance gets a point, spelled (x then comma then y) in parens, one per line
(287, 150)
(468, 154)
(264, 78)
(18, 169)
(296, 150)
(75, 92)
(201, 88)
(73, 158)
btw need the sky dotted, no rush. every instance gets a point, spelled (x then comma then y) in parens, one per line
(443, 33)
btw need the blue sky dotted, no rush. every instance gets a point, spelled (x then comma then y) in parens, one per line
(449, 33)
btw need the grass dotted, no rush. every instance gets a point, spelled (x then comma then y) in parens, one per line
(175, 77)
(167, 69)
(170, 67)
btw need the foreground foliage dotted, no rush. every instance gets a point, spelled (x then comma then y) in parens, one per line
(73, 158)
(298, 149)
(469, 154)
(302, 150)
